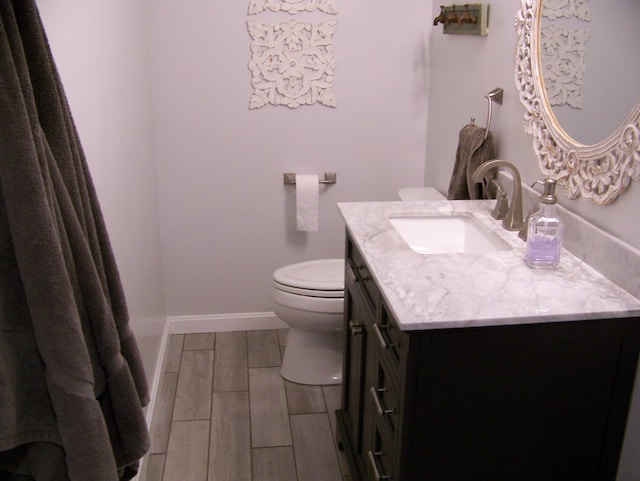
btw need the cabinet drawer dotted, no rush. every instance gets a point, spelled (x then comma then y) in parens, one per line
(362, 276)
(390, 340)
(381, 462)
(385, 395)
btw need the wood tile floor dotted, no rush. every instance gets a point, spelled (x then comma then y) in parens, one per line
(223, 413)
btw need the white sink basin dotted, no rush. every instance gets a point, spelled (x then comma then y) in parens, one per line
(450, 234)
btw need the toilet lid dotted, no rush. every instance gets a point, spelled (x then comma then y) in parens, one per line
(325, 277)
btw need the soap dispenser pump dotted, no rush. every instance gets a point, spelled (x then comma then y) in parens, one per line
(545, 230)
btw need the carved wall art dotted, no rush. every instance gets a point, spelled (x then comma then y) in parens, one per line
(562, 52)
(292, 6)
(553, 9)
(292, 63)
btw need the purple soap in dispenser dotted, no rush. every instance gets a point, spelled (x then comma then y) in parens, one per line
(545, 230)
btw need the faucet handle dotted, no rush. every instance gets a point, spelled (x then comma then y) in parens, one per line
(502, 204)
(525, 227)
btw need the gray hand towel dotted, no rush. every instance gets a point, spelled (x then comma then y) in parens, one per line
(472, 151)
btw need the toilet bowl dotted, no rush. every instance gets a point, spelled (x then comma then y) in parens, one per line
(309, 297)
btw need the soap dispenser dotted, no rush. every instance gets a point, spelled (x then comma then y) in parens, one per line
(545, 229)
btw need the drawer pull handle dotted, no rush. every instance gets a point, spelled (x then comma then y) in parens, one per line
(383, 343)
(374, 466)
(356, 270)
(355, 327)
(376, 400)
(363, 279)
(351, 277)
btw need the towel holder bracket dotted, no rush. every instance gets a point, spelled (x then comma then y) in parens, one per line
(494, 96)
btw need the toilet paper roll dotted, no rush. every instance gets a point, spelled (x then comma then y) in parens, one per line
(307, 202)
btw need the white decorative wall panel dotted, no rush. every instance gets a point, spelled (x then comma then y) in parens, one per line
(292, 63)
(292, 6)
(553, 9)
(562, 53)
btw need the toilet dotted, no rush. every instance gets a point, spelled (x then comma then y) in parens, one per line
(309, 297)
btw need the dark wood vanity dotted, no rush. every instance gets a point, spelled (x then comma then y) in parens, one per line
(521, 402)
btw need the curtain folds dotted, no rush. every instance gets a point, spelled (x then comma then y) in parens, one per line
(70, 371)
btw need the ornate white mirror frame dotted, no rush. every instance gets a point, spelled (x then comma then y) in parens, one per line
(600, 172)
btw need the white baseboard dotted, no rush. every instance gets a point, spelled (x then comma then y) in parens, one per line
(250, 321)
(164, 340)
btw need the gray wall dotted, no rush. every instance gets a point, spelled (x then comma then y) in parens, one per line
(227, 220)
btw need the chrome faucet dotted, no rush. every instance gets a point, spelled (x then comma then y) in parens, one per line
(513, 218)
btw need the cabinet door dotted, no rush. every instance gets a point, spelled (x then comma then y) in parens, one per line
(362, 301)
(358, 316)
(527, 403)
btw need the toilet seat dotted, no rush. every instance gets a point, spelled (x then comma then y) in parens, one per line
(318, 278)
(308, 292)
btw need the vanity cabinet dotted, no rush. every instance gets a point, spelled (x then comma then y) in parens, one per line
(360, 304)
(522, 402)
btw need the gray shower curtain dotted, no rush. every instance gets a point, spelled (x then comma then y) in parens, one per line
(72, 386)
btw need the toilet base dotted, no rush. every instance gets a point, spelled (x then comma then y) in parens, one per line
(313, 357)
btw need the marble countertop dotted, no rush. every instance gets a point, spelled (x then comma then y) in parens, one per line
(434, 291)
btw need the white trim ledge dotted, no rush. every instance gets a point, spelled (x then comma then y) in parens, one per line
(249, 321)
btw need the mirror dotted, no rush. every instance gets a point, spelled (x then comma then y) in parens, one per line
(587, 49)
(601, 168)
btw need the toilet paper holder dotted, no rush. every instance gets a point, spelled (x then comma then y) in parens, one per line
(329, 178)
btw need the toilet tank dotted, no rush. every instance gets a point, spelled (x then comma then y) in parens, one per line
(420, 193)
